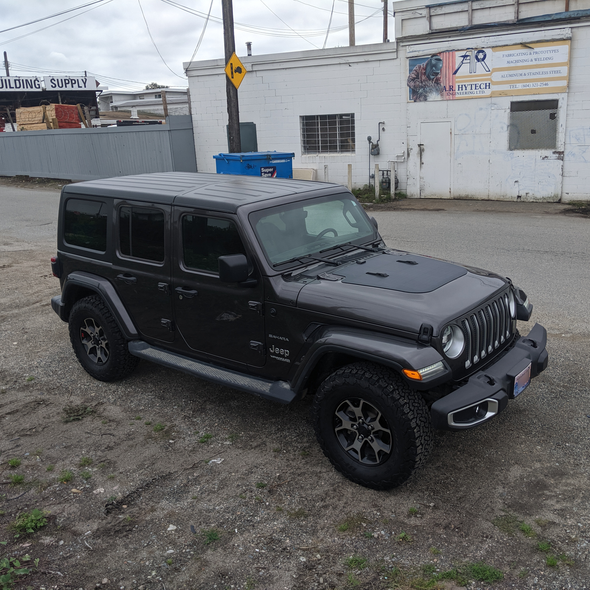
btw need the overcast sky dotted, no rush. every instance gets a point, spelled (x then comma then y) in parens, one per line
(127, 44)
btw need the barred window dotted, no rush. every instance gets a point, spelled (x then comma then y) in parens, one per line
(533, 125)
(322, 134)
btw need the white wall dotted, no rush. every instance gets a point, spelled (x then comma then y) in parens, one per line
(278, 89)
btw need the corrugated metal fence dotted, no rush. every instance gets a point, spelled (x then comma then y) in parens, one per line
(86, 154)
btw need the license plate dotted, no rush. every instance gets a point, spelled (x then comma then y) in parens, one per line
(522, 380)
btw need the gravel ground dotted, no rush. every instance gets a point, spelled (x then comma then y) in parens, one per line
(166, 481)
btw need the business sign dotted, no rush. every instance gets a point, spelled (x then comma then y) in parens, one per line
(33, 84)
(18, 83)
(532, 68)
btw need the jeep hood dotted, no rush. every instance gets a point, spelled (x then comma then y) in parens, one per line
(398, 290)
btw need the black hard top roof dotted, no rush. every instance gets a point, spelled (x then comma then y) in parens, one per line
(218, 192)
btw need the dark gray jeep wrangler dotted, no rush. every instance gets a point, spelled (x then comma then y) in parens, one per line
(284, 288)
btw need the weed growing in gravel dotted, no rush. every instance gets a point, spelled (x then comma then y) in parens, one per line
(507, 523)
(356, 562)
(159, 427)
(10, 567)
(66, 476)
(205, 438)
(148, 422)
(527, 530)
(50, 468)
(30, 378)
(210, 536)
(551, 561)
(75, 413)
(85, 462)
(352, 580)
(261, 484)
(461, 575)
(352, 523)
(544, 546)
(29, 522)
(16, 480)
(413, 511)
(233, 437)
(404, 537)
(14, 463)
(86, 475)
(169, 562)
(138, 417)
(434, 551)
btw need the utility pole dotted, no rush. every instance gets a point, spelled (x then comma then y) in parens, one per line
(351, 39)
(385, 21)
(6, 64)
(233, 110)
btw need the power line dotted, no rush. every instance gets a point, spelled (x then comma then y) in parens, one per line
(268, 7)
(329, 25)
(51, 16)
(201, 37)
(154, 43)
(104, 3)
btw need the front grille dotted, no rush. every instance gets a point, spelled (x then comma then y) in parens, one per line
(487, 329)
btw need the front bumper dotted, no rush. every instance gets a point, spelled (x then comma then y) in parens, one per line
(487, 392)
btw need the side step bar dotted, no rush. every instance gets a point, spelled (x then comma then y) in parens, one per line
(278, 391)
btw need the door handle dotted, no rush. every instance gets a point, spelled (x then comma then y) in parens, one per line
(188, 293)
(127, 279)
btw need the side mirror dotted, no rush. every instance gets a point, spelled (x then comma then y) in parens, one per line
(233, 268)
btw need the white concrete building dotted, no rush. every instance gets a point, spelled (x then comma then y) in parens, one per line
(502, 110)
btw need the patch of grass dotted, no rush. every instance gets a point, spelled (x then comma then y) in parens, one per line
(137, 418)
(210, 536)
(233, 437)
(544, 546)
(352, 523)
(85, 462)
(461, 575)
(368, 535)
(482, 572)
(101, 465)
(50, 468)
(304, 453)
(169, 562)
(352, 580)
(159, 427)
(434, 551)
(527, 530)
(14, 463)
(566, 559)
(66, 476)
(279, 509)
(276, 450)
(29, 522)
(299, 513)
(205, 438)
(16, 479)
(507, 523)
(551, 561)
(523, 574)
(30, 378)
(250, 584)
(261, 484)
(75, 413)
(356, 562)
(148, 422)
(413, 511)
(541, 522)
(86, 475)
(403, 537)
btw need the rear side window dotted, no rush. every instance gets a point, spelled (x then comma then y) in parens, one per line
(141, 233)
(85, 224)
(205, 239)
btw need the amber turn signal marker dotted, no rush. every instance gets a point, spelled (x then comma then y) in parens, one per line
(412, 374)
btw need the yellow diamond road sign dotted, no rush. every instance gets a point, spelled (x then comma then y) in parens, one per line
(235, 70)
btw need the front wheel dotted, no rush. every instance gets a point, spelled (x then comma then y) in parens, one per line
(98, 342)
(372, 427)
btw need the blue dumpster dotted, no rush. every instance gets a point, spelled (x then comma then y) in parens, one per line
(268, 164)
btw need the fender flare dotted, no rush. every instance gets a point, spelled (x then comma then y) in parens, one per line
(107, 292)
(394, 352)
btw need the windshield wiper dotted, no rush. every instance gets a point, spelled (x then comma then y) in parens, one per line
(303, 258)
(373, 248)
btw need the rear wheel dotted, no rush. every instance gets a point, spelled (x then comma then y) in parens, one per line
(98, 342)
(374, 429)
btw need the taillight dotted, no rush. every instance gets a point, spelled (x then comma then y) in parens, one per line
(55, 267)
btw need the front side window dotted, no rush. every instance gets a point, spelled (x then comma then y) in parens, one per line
(310, 227)
(85, 224)
(141, 233)
(323, 134)
(205, 239)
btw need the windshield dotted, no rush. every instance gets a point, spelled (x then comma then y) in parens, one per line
(307, 227)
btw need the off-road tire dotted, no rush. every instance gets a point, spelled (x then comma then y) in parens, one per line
(396, 417)
(98, 342)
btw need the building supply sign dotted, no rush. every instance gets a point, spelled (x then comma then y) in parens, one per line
(33, 84)
(532, 68)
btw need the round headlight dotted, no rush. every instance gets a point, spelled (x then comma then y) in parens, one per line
(453, 341)
(511, 304)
